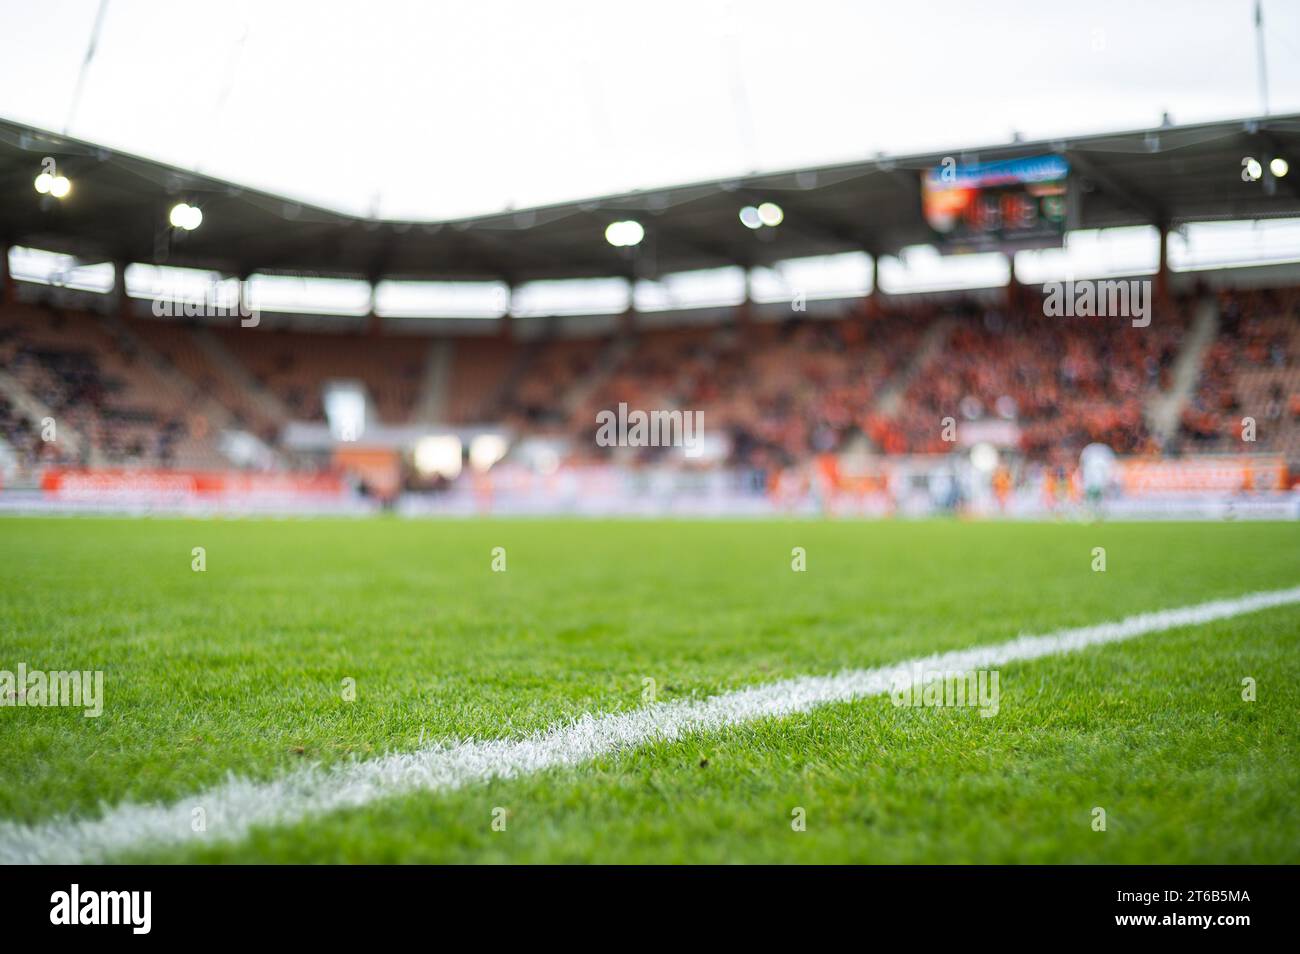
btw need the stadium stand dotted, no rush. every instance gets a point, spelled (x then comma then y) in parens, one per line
(479, 370)
(94, 380)
(189, 350)
(561, 366)
(296, 366)
(1252, 370)
(782, 391)
(1068, 386)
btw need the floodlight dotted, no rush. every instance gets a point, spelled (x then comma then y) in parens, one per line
(624, 234)
(185, 216)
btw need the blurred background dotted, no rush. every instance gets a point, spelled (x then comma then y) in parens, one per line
(401, 256)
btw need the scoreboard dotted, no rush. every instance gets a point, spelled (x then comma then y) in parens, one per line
(1007, 204)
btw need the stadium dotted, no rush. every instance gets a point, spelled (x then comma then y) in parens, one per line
(221, 383)
(917, 507)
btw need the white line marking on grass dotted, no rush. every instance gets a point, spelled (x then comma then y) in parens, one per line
(238, 806)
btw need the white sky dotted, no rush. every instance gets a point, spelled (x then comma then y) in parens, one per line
(440, 109)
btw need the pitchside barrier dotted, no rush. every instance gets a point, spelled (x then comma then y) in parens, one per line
(1198, 488)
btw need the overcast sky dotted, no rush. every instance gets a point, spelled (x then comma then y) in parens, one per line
(438, 109)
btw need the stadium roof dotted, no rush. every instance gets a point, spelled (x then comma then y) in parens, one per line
(119, 206)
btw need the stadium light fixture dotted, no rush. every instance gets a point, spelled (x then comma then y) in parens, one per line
(57, 186)
(1279, 167)
(624, 234)
(1252, 169)
(768, 213)
(185, 216)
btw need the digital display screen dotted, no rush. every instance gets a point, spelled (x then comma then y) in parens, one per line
(989, 205)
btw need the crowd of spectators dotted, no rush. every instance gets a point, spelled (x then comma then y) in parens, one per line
(90, 383)
(779, 391)
(783, 392)
(1250, 374)
(1065, 383)
(883, 378)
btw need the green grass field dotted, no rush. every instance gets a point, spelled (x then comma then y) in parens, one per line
(239, 670)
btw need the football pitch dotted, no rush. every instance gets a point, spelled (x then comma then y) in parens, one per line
(269, 697)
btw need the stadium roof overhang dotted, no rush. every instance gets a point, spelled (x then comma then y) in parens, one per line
(119, 208)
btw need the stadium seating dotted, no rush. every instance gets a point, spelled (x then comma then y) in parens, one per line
(155, 392)
(479, 370)
(1252, 370)
(184, 347)
(296, 366)
(1068, 383)
(90, 376)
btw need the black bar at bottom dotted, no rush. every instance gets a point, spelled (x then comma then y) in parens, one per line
(333, 904)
